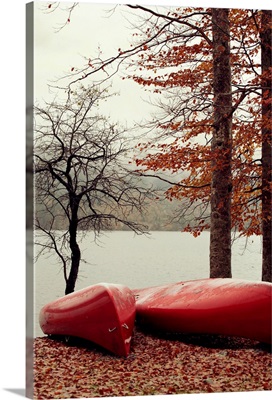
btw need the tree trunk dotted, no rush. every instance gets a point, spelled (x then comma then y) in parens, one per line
(266, 34)
(221, 185)
(75, 250)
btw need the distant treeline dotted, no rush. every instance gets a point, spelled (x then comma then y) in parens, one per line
(158, 215)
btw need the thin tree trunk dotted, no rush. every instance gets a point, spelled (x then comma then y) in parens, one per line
(221, 186)
(75, 250)
(266, 43)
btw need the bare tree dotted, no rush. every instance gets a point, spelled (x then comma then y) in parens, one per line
(82, 181)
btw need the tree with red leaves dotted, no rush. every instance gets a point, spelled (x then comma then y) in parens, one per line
(206, 62)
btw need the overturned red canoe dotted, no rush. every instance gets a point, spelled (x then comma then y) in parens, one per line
(102, 313)
(228, 307)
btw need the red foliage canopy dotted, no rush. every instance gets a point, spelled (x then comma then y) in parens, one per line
(177, 63)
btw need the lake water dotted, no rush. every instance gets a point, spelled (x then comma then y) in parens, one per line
(141, 261)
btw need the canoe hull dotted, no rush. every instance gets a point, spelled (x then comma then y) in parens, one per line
(102, 313)
(209, 306)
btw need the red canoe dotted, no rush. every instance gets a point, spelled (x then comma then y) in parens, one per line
(210, 306)
(102, 313)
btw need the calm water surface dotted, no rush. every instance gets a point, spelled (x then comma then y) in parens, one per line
(141, 261)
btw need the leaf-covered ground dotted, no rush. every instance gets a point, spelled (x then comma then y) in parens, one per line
(155, 365)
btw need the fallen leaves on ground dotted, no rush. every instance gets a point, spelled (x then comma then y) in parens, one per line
(155, 365)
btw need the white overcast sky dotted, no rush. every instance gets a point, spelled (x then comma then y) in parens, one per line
(91, 26)
(55, 55)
